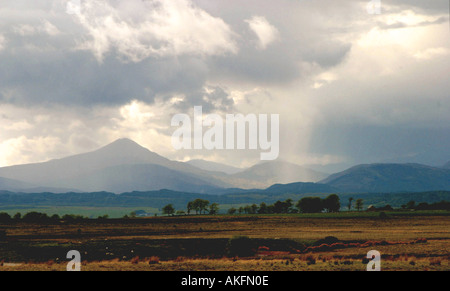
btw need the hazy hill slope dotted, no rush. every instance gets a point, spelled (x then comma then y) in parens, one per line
(143, 177)
(300, 188)
(13, 185)
(214, 167)
(390, 178)
(268, 173)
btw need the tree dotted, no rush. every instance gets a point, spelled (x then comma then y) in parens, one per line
(310, 205)
(282, 207)
(331, 203)
(55, 217)
(5, 217)
(168, 209)
(200, 205)
(411, 204)
(263, 208)
(350, 203)
(214, 208)
(35, 217)
(232, 210)
(190, 207)
(359, 204)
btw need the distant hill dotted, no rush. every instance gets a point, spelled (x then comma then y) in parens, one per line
(13, 185)
(142, 177)
(214, 167)
(300, 188)
(390, 178)
(266, 174)
(446, 166)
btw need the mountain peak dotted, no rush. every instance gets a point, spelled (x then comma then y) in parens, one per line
(124, 144)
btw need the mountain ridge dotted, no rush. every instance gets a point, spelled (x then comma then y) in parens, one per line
(390, 178)
(124, 166)
(80, 171)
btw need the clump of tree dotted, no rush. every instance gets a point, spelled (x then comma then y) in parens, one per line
(214, 209)
(317, 205)
(168, 209)
(310, 205)
(305, 205)
(5, 217)
(38, 217)
(359, 204)
(200, 206)
(278, 207)
(442, 205)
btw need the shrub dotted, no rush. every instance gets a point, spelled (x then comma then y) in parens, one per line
(4, 217)
(135, 260)
(155, 260)
(310, 260)
(327, 240)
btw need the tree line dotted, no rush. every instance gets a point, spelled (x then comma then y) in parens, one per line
(442, 205)
(200, 206)
(43, 217)
(304, 205)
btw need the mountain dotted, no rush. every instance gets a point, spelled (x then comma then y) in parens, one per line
(124, 166)
(447, 166)
(80, 171)
(390, 178)
(266, 174)
(120, 152)
(214, 167)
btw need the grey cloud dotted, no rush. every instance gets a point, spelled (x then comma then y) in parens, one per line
(211, 99)
(397, 25)
(368, 144)
(434, 7)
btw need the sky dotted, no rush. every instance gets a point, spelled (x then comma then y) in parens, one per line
(350, 86)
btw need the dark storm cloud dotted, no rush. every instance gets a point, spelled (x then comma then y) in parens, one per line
(39, 67)
(76, 78)
(354, 80)
(45, 60)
